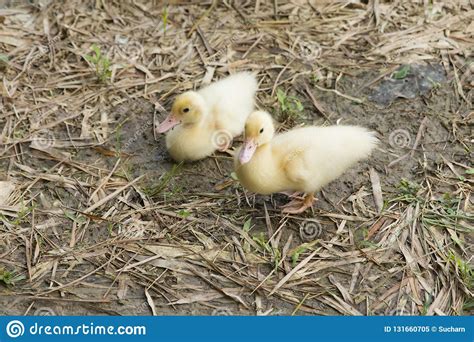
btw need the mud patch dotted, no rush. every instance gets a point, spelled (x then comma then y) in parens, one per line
(408, 81)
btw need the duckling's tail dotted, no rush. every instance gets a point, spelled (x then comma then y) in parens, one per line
(355, 143)
(367, 142)
(246, 80)
(350, 144)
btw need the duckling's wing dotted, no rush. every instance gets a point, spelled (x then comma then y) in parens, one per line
(296, 165)
(317, 155)
(238, 89)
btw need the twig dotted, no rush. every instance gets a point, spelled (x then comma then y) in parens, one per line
(209, 49)
(252, 46)
(337, 92)
(419, 135)
(206, 13)
(279, 75)
(112, 195)
(376, 189)
(315, 103)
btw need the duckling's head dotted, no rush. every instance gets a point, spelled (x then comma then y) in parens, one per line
(259, 130)
(188, 108)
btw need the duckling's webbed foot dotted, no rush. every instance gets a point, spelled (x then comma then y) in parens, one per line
(298, 206)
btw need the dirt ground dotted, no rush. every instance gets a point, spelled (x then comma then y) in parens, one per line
(96, 219)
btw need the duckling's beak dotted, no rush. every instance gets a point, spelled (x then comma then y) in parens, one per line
(169, 123)
(248, 149)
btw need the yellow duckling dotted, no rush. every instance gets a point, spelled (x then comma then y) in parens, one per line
(207, 120)
(300, 160)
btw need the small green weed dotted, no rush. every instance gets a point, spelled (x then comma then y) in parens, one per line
(407, 192)
(295, 255)
(164, 17)
(464, 269)
(264, 245)
(184, 213)
(291, 107)
(401, 73)
(247, 225)
(163, 182)
(100, 62)
(9, 278)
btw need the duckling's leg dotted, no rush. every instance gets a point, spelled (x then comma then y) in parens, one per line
(230, 152)
(225, 147)
(298, 206)
(292, 194)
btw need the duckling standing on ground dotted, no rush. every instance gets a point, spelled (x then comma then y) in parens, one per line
(300, 160)
(207, 120)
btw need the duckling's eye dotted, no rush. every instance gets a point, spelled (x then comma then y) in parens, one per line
(261, 131)
(185, 110)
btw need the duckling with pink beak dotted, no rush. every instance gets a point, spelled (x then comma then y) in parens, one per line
(203, 121)
(300, 160)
